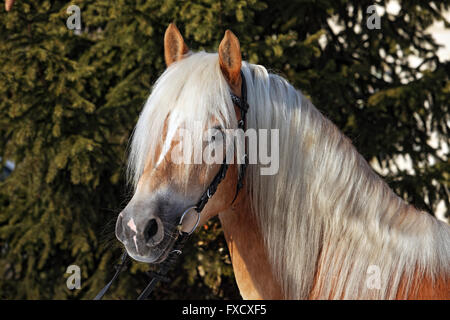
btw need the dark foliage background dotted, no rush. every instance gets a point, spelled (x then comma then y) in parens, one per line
(69, 103)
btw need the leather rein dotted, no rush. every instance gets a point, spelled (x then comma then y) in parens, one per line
(182, 236)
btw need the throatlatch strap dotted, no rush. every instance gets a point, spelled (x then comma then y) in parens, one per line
(243, 106)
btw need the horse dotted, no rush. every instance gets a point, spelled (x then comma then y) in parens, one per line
(324, 226)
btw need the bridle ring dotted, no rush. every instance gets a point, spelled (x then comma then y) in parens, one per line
(196, 223)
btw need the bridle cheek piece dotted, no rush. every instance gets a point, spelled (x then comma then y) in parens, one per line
(182, 236)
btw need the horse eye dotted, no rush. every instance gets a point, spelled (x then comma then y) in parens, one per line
(214, 137)
(217, 131)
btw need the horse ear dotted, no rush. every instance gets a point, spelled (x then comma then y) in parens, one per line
(230, 59)
(8, 4)
(174, 46)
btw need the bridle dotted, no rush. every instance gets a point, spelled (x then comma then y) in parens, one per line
(180, 235)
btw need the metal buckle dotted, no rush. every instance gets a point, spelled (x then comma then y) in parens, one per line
(180, 224)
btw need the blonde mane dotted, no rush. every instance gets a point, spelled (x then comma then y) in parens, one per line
(325, 207)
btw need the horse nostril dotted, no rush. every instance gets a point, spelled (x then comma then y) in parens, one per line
(150, 230)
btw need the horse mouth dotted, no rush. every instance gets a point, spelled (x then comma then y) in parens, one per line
(153, 255)
(168, 248)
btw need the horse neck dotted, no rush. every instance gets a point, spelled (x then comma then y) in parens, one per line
(252, 270)
(327, 217)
